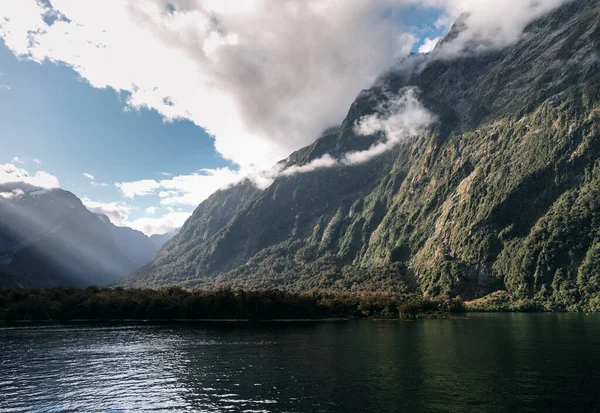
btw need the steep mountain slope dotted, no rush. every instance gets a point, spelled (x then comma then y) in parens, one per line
(501, 192)
(48, 238)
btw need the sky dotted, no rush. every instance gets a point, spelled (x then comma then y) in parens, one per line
(144, 108)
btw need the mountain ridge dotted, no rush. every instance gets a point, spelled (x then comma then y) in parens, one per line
(49, 238)
(448, 212)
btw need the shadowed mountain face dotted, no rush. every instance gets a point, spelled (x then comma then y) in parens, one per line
(49, 238)
(501, 192)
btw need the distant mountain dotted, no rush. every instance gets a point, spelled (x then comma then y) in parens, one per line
(161, 239)
(49, 238)
(501, 192)
(135, 245)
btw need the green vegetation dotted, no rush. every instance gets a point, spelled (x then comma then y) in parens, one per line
(502, 301)
(502, 194)
(93, 303)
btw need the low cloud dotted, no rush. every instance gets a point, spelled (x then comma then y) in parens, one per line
(490, 24)
(326, 161)
(261, 93)
(14, 193)
(119, 214)
(429, 44)
(10, 173)
(402, 118)
(399, 118)
(89, 176)
(188, 190)
(160, 225)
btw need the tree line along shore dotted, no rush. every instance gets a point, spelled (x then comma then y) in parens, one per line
(175, 303)
(93, 303)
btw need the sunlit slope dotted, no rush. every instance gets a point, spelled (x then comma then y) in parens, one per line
(49, 238)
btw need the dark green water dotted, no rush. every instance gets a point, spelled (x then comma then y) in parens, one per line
(485, 363)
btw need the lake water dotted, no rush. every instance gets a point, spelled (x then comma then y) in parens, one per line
(480, 363)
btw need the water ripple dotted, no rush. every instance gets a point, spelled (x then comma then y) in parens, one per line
(495, 364)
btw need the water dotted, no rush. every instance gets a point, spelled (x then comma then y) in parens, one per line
(483, 363)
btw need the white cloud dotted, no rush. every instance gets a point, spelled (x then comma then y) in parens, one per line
(259, 92)
(326, 161)
(183, 189)
(15, 193)
(5, 87)
(160, 225)
(37, 161)
(403, 117)
(443, 22)
(117, 212)
(9, 173)
(490, 24)
(138, 188)
(429, 44)
(16, 159)
(93, 181)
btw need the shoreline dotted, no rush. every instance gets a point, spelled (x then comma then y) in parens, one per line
(232, 321)
(183, 320)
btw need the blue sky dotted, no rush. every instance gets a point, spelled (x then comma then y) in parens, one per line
(58, 118)
(51, 115)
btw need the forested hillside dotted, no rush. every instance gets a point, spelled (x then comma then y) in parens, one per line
(501, 191)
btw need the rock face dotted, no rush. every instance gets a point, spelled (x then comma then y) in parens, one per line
(502, 191)
(49, 238)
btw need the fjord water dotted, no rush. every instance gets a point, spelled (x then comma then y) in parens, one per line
(482, 363)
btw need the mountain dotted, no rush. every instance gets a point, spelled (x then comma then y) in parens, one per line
(161, 239)
(49, 238)
(502, 191)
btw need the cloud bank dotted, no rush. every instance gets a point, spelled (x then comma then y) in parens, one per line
(119, 214)
(490, 24)
(10, 173)
(429, 44)
(264, 77)
(397, 119)
(402, 117)
(188, 190)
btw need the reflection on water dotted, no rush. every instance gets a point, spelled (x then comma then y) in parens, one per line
(483, 363)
